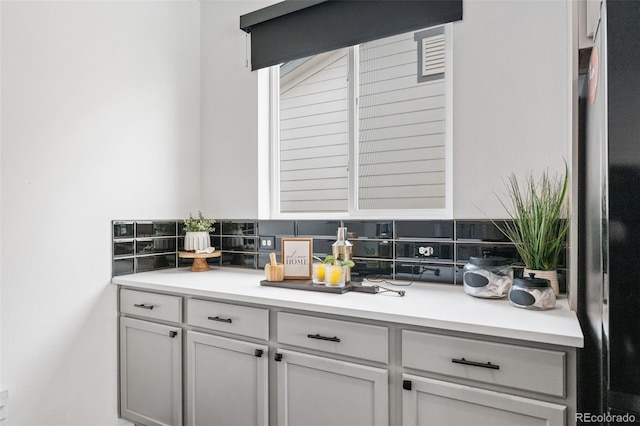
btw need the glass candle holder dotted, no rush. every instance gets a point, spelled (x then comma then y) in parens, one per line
(335, 275)
(319, 273)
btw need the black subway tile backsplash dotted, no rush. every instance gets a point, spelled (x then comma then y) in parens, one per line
(424, 229)
(480, 230)
(317, 228)
(414, 250)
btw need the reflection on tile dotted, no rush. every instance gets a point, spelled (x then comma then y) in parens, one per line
(465, 251)
(369, 229)
(424, 250)
(324, 228)
(155, 245)
(376, 248)
(322, 247)
(278, 228)
(239, 260)
(237, 228)
(155, 229)
(122, 229)
(150, 263)
(122, 266)
(238, 243)
(424, 229)
(123, 248)
(482, 230)
(426, 272)
(372, 268)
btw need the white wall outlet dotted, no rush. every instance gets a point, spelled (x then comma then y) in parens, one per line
(267, 243)
(426, 251)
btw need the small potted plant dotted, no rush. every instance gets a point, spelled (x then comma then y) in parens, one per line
(197, 232)
(539, 222)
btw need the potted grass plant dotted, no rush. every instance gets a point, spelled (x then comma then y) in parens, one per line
(197, 232)
(538, 223)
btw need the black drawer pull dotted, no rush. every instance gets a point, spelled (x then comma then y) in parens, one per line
(476, 364)
(216, 318)
(258, 353)
(143, 306)
(173, 334)
(319, 337)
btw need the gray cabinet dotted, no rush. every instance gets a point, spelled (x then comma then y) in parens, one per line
(478, 382)
(439, 403)
(320, 391)
(227, 381)
(150, 373)
(255, 365)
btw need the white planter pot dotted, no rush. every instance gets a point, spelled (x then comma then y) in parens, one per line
(197, 241)
(552, 276)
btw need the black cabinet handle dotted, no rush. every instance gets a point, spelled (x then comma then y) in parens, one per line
(143, 306)
(476, 364)
(173, 334)
(319, 337)
(278, 357)
(406, 385)
(217, 318)
(258, 353)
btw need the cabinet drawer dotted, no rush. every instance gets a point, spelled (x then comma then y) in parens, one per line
(336, 336)
(151, 305)
(518, 367)
(242, 320)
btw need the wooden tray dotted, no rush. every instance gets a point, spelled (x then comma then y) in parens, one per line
(309, 286)
(305, 285)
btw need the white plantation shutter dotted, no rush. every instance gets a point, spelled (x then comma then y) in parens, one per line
(314, 136)
(402, 117)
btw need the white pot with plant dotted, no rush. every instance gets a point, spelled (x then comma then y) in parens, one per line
(539, 222)
(197, 232)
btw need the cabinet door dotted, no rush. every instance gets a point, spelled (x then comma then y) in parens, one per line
(433, 402)
(150, 373)
(317, 391)
(227, 381)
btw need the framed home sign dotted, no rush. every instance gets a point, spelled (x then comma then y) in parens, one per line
(297, 257)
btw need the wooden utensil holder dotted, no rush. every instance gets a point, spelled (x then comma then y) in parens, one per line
(274, 272)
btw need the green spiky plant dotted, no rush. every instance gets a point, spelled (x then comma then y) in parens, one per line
(539, 223)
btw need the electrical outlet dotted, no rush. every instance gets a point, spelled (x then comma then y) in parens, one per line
(267, 243)
(426, 251)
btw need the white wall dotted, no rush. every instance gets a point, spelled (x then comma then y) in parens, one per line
(512, 97)
(100, 121)
(230, 108)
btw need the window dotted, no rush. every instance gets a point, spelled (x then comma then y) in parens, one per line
(365, 131)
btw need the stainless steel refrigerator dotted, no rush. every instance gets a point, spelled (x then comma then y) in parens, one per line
(609, 221)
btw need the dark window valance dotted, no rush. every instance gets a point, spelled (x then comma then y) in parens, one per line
(295, 29)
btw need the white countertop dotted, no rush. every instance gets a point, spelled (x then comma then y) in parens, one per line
(440, 306)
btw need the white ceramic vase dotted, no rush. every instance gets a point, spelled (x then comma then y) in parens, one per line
(552, 276)
(197, 241)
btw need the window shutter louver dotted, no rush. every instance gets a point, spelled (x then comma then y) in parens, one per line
(433, 55)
